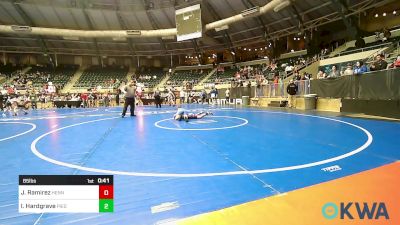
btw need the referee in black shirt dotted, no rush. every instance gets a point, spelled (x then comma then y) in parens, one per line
(130, 90)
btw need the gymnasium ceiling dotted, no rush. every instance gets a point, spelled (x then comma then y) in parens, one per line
(137, 15)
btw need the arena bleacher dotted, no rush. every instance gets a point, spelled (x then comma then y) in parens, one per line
(58, 76)
(9, 69)
(150, 76)
(193, 77)
(222, 75)
(105, 77)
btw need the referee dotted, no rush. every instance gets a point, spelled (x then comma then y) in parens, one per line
(130, 90)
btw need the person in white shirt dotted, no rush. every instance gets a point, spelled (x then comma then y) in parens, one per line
(227, 95)
(182, 96)
(171, 98)
(348, 71)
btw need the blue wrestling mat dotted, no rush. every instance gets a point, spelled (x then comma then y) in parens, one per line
(234, 156)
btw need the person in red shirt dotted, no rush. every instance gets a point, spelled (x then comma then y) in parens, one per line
(276, 82)
(84, 98)
(396, 63)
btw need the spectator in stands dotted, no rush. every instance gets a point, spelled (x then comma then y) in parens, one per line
(117, 96)
(33, 99)
(182, 96)
(1, 99)
(259, 81)
(396, 63)
(297, 76)
(288, 69)
(171, 98)
(281, 86)
(276, 83)
(292, 89)
(321, 75)
(227, 95)
(379, 64)
(106, 99)
(348, 71)
(360, 68)
(190, 97)
(214, 95)
(334, 73)
(203, 96)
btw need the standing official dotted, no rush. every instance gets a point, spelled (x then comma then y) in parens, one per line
(292, 91)
(157, 98)
(130, 90)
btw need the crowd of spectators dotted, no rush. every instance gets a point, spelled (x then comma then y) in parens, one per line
(358, 68)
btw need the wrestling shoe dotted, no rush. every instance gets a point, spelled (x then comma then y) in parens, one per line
(209, 113)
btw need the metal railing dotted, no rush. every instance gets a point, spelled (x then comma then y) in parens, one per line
(378, 46)
(278, 90)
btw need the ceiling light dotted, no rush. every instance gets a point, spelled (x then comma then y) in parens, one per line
(376, 15)
(244, 49)
(281, 5)
(384, 14)
(394, 12)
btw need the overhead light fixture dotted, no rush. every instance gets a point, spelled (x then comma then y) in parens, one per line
(376, 15)
(394, 12)
(244, 49)
(294, 38)
(225, 27)
(21, 28)
(251, 12)
(384, 14)
(266, 47)
(168, 38)
(281, 6)
(117, 39)
(133, 32)
(71, 38)
(233, 53)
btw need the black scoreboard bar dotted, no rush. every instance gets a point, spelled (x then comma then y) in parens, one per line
(66, 179)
